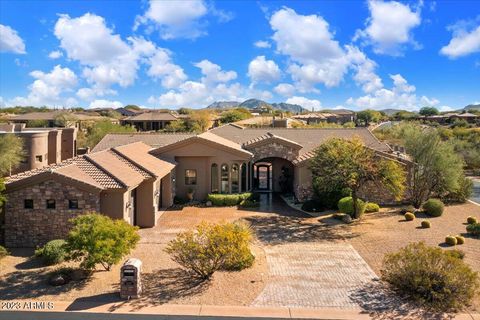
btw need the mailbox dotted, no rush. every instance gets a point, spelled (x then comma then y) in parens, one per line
(130, 279)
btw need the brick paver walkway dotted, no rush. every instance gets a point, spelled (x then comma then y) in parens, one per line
(314, 275)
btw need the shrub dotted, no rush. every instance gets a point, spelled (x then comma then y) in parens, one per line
(474, 229)
(433, 207)
(464, 191)
(458, 254)
(409, 216)
(232, 200)
(406, 209)
(312, 206)
(431, 276)
(53, 252)
(3, 252)
(97, 239)
(212, 247)
(328, 199)
(345, 205)
(471, 220)
(451, 240)
(372, 207)
(247, 203)
(460, 239)
(220, 200)
(426, 224)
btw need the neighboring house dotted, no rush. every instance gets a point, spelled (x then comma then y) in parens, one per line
(227, 159)
(126, 112)
(449, 118)
(151, 121)
(42, 146)
(329, 117)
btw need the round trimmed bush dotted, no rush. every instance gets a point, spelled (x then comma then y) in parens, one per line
(460, 239)
(53, 252)
(372, 207)
(451, 240)
(474, 229)
(433, 207)
(345, 205)
(3, 252)
(409, 216)
(471, 220)
(426, 224)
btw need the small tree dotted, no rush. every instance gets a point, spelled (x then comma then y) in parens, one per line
(102, 128)
(11, 153)
(366, 117)
(340, 163)
(97, 239)
(428, 111)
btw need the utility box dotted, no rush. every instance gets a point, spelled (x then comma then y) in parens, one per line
(131, 279)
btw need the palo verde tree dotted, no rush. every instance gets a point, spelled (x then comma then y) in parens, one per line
(340, 163)
(11, 153)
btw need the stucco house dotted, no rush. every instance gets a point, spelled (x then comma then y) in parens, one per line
(133, 176)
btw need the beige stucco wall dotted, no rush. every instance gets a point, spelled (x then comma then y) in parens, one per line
(54, 146)
(113, 204)
(146, 203)
(34, 144)
(69, 143)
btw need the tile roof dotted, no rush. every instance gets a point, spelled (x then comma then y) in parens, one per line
(308, 138)
(153, 139)
(124, 167)
(153, 116)
(220, 140)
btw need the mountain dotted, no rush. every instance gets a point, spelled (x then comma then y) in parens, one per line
(223, 104)
(390, 112)
(472, 107)
(254, 103)
(294, 108)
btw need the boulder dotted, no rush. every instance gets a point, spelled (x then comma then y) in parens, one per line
(57, 280)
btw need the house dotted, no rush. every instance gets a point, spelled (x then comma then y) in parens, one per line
(449, 118)
(42, 146)
(131, 176)
(151, 121)
(339, 117)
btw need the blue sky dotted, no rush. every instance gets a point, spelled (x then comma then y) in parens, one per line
(320, 54)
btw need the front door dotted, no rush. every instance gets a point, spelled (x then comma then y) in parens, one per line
(263, 174)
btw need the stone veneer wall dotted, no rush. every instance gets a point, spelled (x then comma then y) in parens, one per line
(273, 149)
(35, 227)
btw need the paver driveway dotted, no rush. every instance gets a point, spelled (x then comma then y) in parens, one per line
(314, 275)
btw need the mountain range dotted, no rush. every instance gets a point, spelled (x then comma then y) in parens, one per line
(256, 103)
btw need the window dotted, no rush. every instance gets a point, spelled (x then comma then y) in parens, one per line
(28, 203)
(73, 204)
(190, 177)
(39, 158)
(214, 178)
(50, 204)
(224, 179)
(235, 178)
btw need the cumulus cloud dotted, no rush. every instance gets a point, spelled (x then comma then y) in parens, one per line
(305, 102)
(213, 73)
(389, 27)
(162, 67)
(105, 104)
(464, 40)
(262, 70)
(285, 89)
(47, 89)
(401, 95)
(262, 44)
(55, 54)
(10, 41)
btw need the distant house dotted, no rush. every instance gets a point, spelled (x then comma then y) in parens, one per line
(128, 112)
(449, 118)
(151, 121)
(42, 146)
(329, 117)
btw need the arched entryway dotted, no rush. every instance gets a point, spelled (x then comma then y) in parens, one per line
(272, 174)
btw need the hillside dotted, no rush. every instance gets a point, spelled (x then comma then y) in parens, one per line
(472, 107)
(223, 104)
(256, 104)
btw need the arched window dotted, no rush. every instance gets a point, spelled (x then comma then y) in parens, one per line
(235, 178)
(214, 177)
(224, 179)
(243, 173)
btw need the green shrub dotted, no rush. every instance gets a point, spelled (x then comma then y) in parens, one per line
(460, 239)
(212, 247)
(458, 254)
(406, 209)
(345, 205)
(97, 239)
(3, 252)
(471, 220)
(474, 229)
(451, 240)
(328, 199)
(312, 206)
(426, 224)
(53, 252)
(247, 203)
(464, 191)
(372, 207)
(431, 276)
(220, 200)
(433, 207)
(409, 216)
(232, 200)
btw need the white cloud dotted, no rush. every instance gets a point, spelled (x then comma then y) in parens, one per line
(176, 19)
(161, 67)
(262, 44)
(55, 54)
(262, 70)
(305, 102)
(212, 73)
(462, 43)
(10, 41)
(401, 96)
(389, 26)
(105, 104)
(47, 89)
(285, 89)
